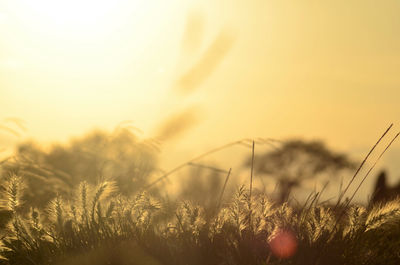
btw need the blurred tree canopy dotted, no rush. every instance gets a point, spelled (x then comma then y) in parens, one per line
(296, 161)
(120, 156)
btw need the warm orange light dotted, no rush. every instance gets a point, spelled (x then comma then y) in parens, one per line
(283, 244)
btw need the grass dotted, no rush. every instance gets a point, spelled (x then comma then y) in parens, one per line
(100, 226)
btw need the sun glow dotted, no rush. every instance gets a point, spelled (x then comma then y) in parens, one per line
(78, 64)
(77, 17)
(85, 58)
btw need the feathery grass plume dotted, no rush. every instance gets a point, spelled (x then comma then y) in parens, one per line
(218, 222)
(376, 239)
(56, 212)
(17, 233)
(355, 223)
(383, 215)
(83, 200)
(135, 208)
(103, 190)
(237, 210)
(191, 218)
(144, 210)
(13, 191)
(321, 222)
(284, 216)
(263, 214)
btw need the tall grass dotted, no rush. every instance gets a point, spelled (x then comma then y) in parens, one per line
(100, 226)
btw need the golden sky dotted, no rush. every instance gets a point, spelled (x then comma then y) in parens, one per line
(259, 68)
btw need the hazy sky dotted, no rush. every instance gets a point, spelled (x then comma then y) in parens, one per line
(261, 68)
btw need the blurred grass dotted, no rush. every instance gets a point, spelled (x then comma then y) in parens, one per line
(101, 226)
(59, 207)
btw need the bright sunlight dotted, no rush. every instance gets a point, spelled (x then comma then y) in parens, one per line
(76, 18)
(176, 132)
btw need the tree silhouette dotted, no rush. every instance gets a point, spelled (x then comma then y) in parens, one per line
(120, 156)
(296, 161)
(382, 191)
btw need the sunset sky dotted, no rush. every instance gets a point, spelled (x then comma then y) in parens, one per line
(233, 68)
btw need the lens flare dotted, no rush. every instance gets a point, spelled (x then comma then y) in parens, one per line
(283, 244)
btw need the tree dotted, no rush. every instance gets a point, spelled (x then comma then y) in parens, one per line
(382, 191)
(296, 161)
(99, 155)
